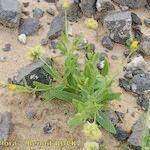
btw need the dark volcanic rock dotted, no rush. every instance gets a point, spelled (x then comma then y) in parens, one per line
(34, 72)
(107, 42)
(119, 26)
(121, 134)
(135, 139)
(5, 125)
(132, 3)
(10, 11)
(123, 83)
(88, 7)
(56, 27)
(143, 101)
(135, 19)
(29, 26)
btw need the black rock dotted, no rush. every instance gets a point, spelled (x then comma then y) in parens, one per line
(51, 11)
(53, 44)
(147, 22)
(7, 47)
(56, 27)
(107, 42)
(123, 83)
(47, 128)
(29, 26)
(103, 56)
(5, 125)
(143, 101)
(135, 19)
(33, 72)
(121, 134)
(37, 13)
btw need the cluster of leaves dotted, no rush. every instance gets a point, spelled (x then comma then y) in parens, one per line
(88, 89)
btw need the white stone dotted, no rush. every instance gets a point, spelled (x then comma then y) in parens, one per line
(22, 38)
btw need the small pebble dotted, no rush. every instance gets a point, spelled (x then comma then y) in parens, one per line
(51, 11)
(113, 57)
(47, 128)
(26, 4)
(2, 59)
(44, 42)
(147, 22)
(7, 47)
(22, 38)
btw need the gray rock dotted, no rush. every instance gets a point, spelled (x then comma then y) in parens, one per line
(56, 27)
(33, 72)
(113, 57)
(113, 117)
(47, 128)
(51, 11)
(138, 63)
(131, 3)
(51, 1)
(119, 26)
(136, 20)
(10, 11)
(121, 134)
(124, 8)
(5, 125)
(29, 26)
(74, 12)
(128, 75)
(104, 7)
(140, 83)
(147, 22)
(31, 115)
(107, 42)
(88, 7)
(143, 101)
(37, 13)
(145, 45)
(7, 47)
(135, 139)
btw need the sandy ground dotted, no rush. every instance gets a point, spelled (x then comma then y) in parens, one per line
(56, 112)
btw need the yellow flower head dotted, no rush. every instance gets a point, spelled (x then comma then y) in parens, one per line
(35, 53)
(92, 131)
(12, 87)
(91, 146)
(66, 4)
(91, 23)
(134, 44)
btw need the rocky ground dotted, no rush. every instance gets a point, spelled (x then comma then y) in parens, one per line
(25, 24)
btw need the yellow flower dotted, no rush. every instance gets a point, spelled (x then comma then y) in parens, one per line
(92, 131)
(12, 87)
(35, 53)
(134, 44)
(66, 4)
(91, 146)
(91, 23)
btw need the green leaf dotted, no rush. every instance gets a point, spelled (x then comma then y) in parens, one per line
(41, 85)
(74, 121)
(105, 70)
(104, 121)
(125, 147)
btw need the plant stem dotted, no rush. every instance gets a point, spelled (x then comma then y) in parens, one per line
(66, 23)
